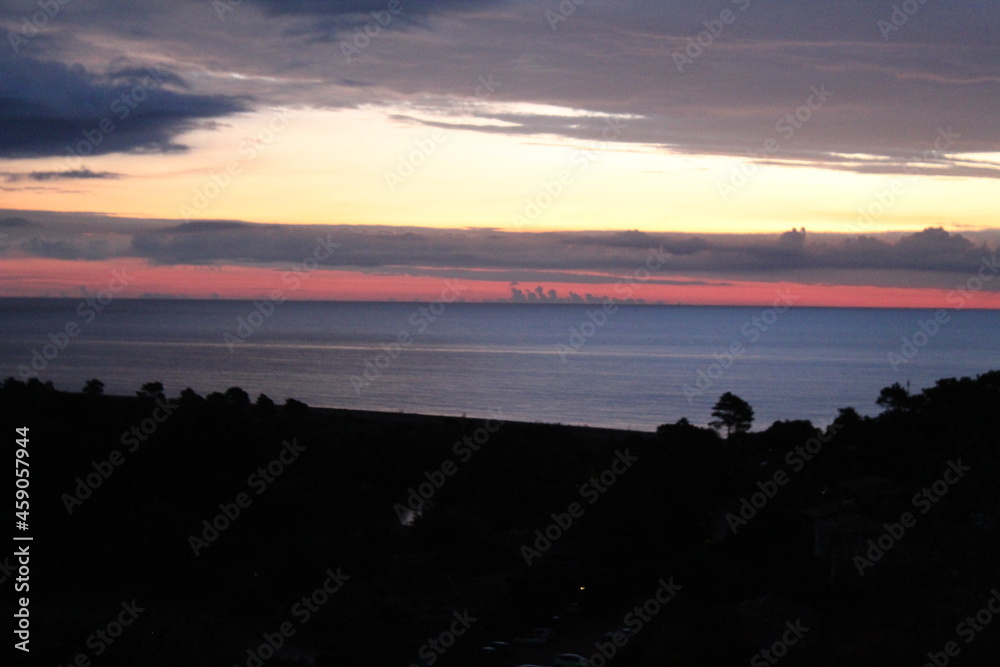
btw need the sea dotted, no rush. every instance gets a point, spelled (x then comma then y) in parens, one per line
(631, 367)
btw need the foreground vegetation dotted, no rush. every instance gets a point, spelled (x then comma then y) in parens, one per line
(178, 504)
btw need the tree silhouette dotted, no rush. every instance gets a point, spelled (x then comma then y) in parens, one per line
(265, 405)
(295, 408)
(847, 417)
(238, 396)
(896, 398)
(93, 387)
(151, 390)
(189, 397)
(732, 412)
(37, 386)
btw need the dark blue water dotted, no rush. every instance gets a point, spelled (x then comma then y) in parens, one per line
(641, 367)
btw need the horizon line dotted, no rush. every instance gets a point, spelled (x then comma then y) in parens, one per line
(617, 303)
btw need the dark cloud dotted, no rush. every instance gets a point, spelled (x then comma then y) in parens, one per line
(69, 175)
(942, 165)
(673, 244)
(930, 258)
(213, 226)
(16, 222)
(890, 98)
(339, 21)
(892, 93)
(38, 188)
(75, 249)
(130, 75)
(212, 242)
(719, 256)
(350, 7)
(48, 106)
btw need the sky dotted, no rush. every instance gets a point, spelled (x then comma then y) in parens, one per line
(684, 151)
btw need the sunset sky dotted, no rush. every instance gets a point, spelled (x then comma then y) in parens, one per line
(661, 151)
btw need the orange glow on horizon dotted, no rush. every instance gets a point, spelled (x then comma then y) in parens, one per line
(25, 277)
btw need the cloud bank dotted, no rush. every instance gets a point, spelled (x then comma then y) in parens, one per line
(56, 109)
(933, 257)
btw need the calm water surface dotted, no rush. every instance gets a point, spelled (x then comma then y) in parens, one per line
(643, 366)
